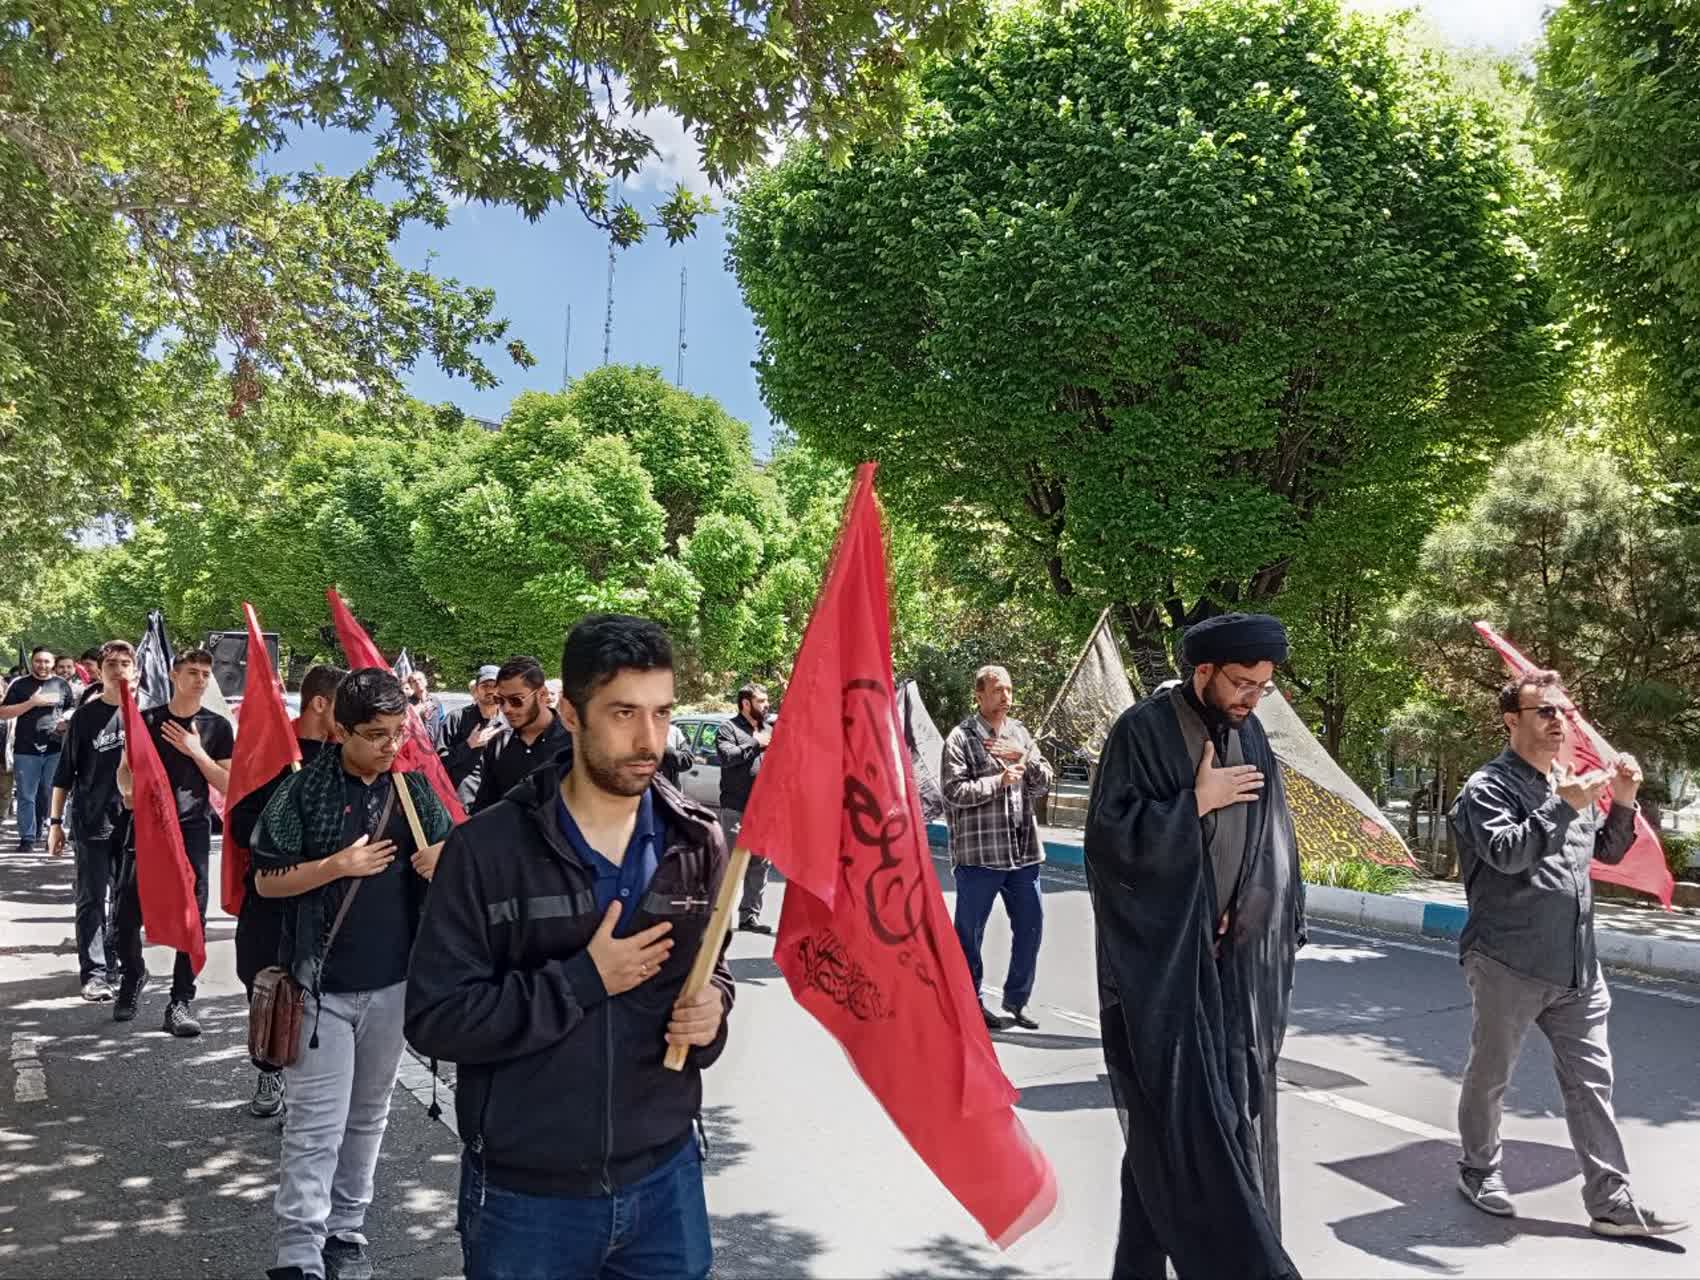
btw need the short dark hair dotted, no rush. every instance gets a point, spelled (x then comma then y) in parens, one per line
(200, 656)
(40, 648)
(1511, 696)
(321, 681)
(90, 655)
(749, 693)
(524, 668)
(366, 694)
(116, 649)
(602, 645)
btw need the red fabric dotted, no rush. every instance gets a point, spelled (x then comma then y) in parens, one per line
(265, 747)
(165, 881)
(864, 939)
(1643, 868)
(417, 754)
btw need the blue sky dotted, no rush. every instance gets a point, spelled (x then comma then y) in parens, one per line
(539, 269)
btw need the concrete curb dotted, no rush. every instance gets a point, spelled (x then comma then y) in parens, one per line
(1665, 957)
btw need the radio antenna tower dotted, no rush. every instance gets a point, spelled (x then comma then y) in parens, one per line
(608, 319)
(679, 378)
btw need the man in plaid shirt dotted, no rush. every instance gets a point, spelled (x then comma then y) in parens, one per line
(993, 774)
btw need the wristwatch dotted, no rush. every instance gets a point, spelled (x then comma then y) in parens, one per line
(56, 822)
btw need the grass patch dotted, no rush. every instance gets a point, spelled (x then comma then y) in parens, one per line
(1357, 874)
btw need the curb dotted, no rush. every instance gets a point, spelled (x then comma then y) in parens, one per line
(1444, 921)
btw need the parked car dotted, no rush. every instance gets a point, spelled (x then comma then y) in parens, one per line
(702, 781)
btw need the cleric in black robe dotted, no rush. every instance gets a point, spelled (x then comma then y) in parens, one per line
(1200, 916)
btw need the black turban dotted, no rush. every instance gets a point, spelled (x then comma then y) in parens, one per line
(1245, 638)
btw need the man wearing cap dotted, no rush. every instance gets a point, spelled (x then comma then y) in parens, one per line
(466, 732)
(1194, 876)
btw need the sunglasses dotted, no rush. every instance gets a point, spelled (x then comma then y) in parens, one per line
(517, 701)
(1545, 712)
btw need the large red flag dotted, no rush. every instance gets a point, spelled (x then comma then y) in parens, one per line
(864, 939)
(164, 880)
(265, 747)
(417, 754)
(1643, 868)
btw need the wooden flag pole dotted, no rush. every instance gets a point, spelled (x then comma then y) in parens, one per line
(405, 795)
(708, 951)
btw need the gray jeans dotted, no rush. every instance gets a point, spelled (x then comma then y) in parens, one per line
(755, 875)
(339, 1106)
(1574, 1023)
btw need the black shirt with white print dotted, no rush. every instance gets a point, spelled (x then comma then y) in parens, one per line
(88, 768)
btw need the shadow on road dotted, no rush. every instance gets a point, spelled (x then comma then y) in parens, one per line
(142, 1160)
(1431, 1214)
(1077, 1095)
(1423, 1017)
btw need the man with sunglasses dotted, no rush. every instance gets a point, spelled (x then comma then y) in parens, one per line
(1194, 875)
(1526, 829)
(535, 734)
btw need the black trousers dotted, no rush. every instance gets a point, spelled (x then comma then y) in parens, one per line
(127, 920)
(259, 934)
(97, 860)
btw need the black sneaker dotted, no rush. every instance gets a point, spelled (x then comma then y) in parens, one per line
(180, 1022)
(755, 926)
(291, 1273)
(1019, 1018)
(97, 991)
(993, 1022)
(347, 1260)
(26, 846)
(129, 996)
(268, 1095)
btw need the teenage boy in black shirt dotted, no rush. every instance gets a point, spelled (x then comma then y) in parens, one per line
(194, 745)
(88, 773)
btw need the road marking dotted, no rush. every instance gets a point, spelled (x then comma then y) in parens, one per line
(30, 1084)
(1368, 1111)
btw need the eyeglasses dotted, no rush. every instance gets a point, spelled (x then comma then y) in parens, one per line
(1245, 687)
(1546, 711)
(378, 738)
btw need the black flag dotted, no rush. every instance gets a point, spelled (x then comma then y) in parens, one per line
(153, 663)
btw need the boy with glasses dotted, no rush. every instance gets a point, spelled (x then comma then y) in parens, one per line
(335, 842)
(1526, 830)
(535, 733)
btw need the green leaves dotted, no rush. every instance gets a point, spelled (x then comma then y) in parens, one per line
(1150, 320)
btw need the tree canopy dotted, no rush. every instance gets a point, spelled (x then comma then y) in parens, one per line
(1617, 91)
(1155, 300)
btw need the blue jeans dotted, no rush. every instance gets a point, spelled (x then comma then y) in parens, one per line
(977, 889)
(35, 793)
(655, 1229)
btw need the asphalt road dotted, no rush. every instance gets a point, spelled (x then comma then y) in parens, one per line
(124, 1152)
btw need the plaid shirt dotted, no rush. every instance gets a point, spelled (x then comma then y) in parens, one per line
(991, 825)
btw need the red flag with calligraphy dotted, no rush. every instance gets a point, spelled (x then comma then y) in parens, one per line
(1643, 868)
(165, 882)
(417, 754)
(865, 941)
(265, 747)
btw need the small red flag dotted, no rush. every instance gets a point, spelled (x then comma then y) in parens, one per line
(865, 941)
(417, 754)
(1643, 868)
(265, 747)
(165, 881)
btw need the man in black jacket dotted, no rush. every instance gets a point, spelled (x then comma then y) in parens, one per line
(260, 925)
(739, 745)
(466, 732)
(550, 969)
(533, 738)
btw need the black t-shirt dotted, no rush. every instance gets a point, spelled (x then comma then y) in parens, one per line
(194, 806)
(35, 736)
(88, 768)
(371, 949)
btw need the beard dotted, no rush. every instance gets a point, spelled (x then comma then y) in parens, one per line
(1235, 712)
(616, 774)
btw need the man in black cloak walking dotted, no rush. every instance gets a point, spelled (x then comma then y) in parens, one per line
(1194, 875)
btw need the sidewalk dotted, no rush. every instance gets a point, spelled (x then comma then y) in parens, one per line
(1628, 936)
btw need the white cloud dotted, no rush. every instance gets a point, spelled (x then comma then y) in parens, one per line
(677, 157)
(1506, 26)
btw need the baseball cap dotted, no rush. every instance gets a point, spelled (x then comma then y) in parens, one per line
(488, 672)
